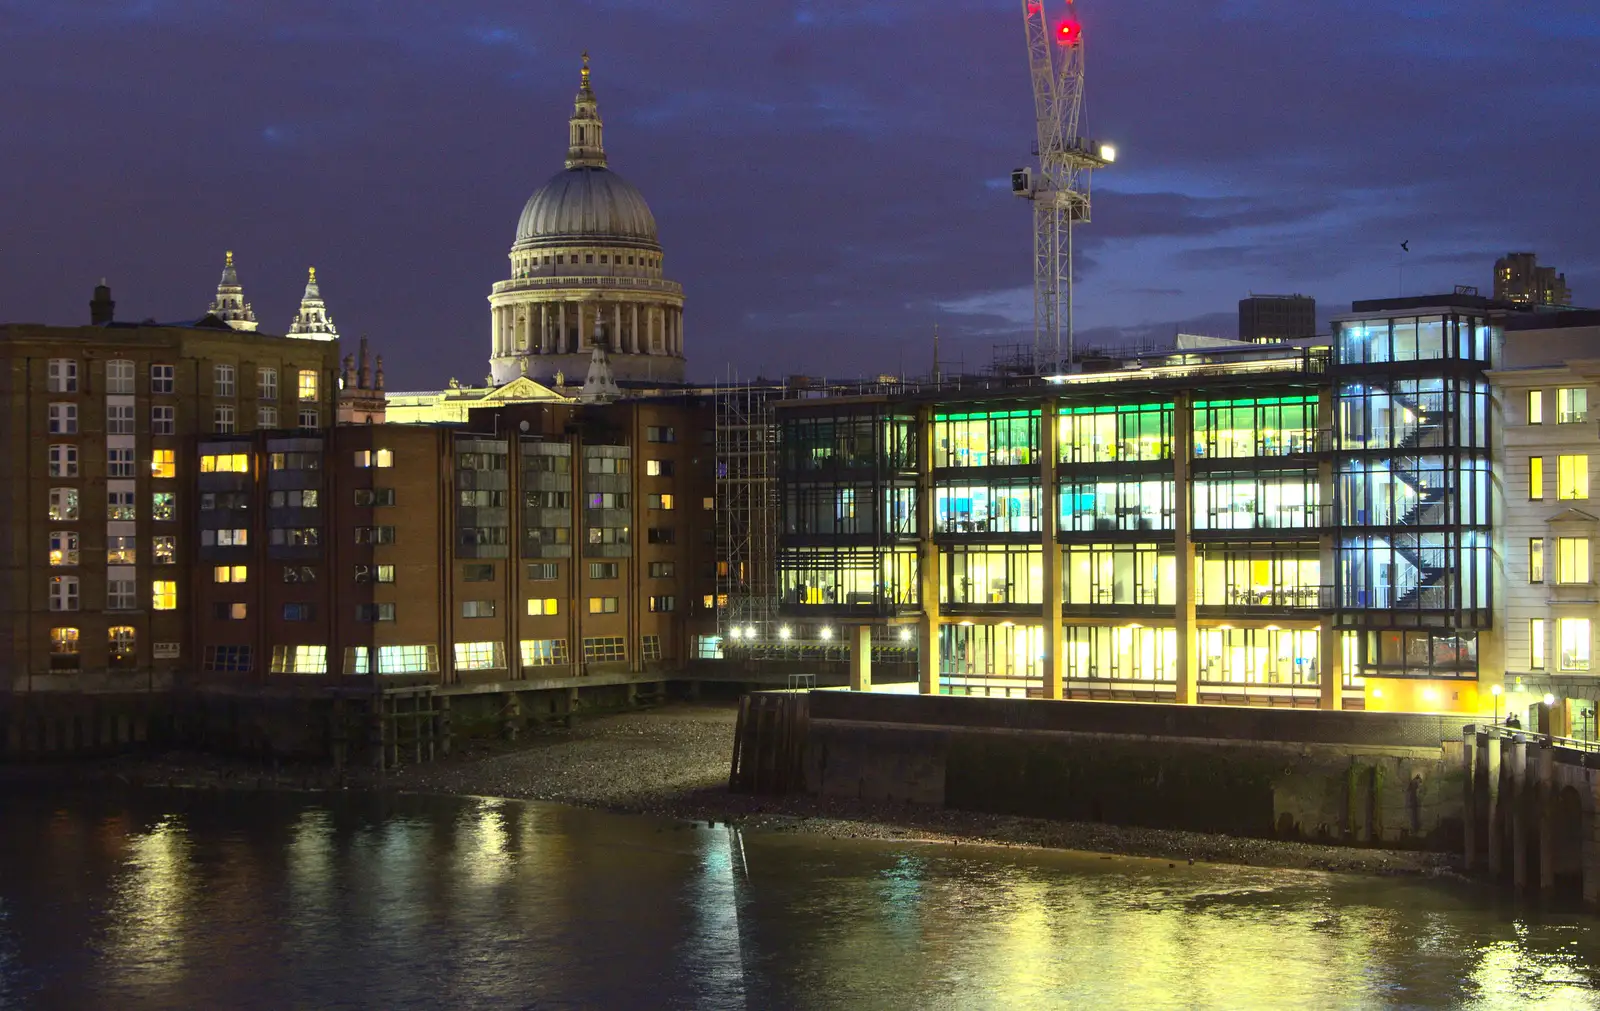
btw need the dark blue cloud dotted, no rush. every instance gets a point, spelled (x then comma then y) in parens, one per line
(829, 176)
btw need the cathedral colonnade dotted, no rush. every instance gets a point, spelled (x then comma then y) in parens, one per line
(568, 327)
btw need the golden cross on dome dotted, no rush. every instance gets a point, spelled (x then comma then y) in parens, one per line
(586, 68)
(230, 258)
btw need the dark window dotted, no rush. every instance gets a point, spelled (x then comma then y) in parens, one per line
(477, 573)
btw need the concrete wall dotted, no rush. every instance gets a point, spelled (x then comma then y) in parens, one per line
(1294, 774)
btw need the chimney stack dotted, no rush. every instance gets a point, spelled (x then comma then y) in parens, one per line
(101, 307)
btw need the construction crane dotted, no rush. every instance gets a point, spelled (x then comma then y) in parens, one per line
(1059, 186)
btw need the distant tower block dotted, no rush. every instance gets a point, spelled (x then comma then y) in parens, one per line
(586, 268)
(1518, 278)
(1269, 319)
(312, 322)
(230, 306)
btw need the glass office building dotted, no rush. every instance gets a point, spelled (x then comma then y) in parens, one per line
(1260, 525)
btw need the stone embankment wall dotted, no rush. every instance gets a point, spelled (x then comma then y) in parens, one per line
(1385, 779)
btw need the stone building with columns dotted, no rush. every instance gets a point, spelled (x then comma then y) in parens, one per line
(586, 268)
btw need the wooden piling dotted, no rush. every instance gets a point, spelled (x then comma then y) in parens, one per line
(1547, 817)
(1518, 807)
(1469, 796)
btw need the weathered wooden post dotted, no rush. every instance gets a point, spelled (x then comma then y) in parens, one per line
(1519, 811)
(1469, 817)
(1481, 797)
(1547, 816)
(1497, 816)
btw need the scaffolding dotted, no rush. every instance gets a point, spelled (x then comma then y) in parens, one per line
(747, 508)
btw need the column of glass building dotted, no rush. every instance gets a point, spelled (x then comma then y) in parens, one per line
(1415, 561)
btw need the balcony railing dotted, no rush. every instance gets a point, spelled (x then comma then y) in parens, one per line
(556, 283)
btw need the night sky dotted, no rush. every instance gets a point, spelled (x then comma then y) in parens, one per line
(829, 178)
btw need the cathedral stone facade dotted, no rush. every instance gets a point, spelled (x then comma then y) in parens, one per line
(586, 271)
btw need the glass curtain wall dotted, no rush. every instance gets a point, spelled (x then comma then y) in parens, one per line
(1257, 656)
(1089, 505)
(1118, 574)
(991, 574)
(1279, 576)
(1249, 501)
(1264, 426)
(983, 659)
(1009, 507)
(986, 439)
(1105, 434)
(852, 577)
(1119, 653)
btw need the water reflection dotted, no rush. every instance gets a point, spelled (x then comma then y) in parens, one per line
(160, 900)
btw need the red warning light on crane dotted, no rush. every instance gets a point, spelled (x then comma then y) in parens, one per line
(1070, 33)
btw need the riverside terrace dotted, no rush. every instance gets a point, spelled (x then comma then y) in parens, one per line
(1264, 525)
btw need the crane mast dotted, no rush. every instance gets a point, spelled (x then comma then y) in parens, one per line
(1059, 186)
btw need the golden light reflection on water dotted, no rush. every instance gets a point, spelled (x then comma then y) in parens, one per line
(150, 909)
(430, 902)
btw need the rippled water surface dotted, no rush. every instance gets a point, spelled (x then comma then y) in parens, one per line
(180, 900)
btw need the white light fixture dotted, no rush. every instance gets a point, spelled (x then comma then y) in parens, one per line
(827, 632)
(784, 633)
(905, 635)
(1549, 700)
(1377, 693)
(733, 633)
(1108, 152)
(1495, 690)
(749, 631)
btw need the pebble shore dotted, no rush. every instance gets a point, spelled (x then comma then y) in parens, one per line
(672, 762)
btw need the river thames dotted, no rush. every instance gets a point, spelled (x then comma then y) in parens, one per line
(173, 899)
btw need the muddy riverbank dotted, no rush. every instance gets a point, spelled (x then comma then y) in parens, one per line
(672, 762)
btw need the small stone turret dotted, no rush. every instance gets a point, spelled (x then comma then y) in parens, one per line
(362, 402)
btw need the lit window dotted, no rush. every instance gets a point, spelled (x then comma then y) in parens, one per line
(161, 379)
(64, 641)
(604, 649)
(120, 640)
(663, 604)
(164, 550)
(480, 655)
(544, 652)
(164, 506)
(407, 659)
(299, 659)
(63, 547)
(163, 463)
(119, 377)
(602, 605)
(542, 605)
(63, 503)
(661, 502)
(62, 376)
(308, 384)
(119, 506)
(229, 611)
(385, 458)
(222, 377)
(1572, 477)
(1535, 407)
(230, 574)
(63, 593)
(658, 468)
(1535, 478)
(121, 549)
(63, 461)
(1536, 560)
(1572, 405)
(1575, 643)
(1572, 559)
(708, 503)
(225, 463)
(366, 458)
(164, 595)
(1536, 644)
